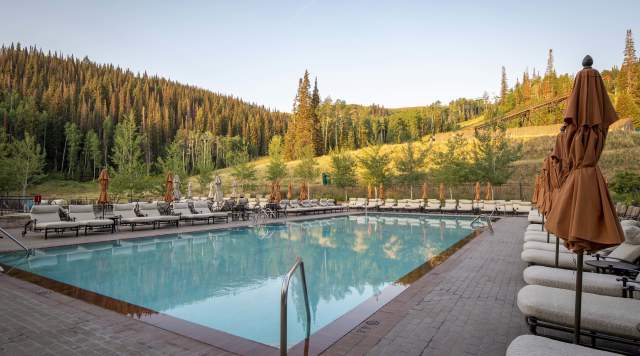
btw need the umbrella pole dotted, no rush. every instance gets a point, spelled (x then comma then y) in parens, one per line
(542, 226)
(557, 250)
(578, 306)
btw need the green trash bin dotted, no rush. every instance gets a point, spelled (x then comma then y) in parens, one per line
(325, 179)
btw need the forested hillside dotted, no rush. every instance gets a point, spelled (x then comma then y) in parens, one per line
(40, 93)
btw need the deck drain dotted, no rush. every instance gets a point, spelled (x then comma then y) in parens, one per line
(372, 322)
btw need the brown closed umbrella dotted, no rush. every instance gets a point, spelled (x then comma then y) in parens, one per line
(488, 192)
(547, 190)
(477, 192)
(381, 192)
(583, 214)
(303, 191)
(103, 183)
(536, 188)
(290, 191)
(425, 191)
(369, 192)
(441, 192)
(168, 189)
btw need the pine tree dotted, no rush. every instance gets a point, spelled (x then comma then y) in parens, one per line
(276, 168)
(315, 107)
(127, 157)
(300, 132)
(504, 88)
(549, 78)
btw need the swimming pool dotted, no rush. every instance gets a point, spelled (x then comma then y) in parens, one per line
(230, 279)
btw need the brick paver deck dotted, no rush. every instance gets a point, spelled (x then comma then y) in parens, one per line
(465, 306)
(37, 321)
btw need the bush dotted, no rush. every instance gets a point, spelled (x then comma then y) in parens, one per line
(626, 187)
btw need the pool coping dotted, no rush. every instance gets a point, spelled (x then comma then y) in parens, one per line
(318, 342)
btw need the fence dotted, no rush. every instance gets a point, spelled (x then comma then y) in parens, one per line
(15, 204)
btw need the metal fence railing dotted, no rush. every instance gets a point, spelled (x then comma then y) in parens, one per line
(15, 204)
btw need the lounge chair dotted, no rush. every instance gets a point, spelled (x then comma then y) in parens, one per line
(534, 217)
(538, 245)
(501, 206)
(202, 207)
(433, 205)
(389, 204)
(151, 210)
(535, 227)
(489, 206)
(361, 203)
(596, 283)
(186, 214)
(128, 216)
(46, 218)
(401, 204)
(352, 203)
(85, 216)
(601, 317)
(465, 206)
(533, 345)
(624, 252)
(373, 204)
(414, 205)
(477, 205)
(450, 206)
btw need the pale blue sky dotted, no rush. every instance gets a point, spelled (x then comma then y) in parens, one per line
(394, 53)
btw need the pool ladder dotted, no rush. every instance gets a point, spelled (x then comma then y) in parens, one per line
(283, 304)
(7, 234)
(486, 218)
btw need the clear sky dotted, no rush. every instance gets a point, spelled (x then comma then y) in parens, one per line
(394, 53)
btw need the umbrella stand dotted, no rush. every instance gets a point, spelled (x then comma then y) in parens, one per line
(578, 307)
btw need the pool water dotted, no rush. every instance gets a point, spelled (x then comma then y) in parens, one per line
(230, 279)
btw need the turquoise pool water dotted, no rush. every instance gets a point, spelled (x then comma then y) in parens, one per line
(230, 279)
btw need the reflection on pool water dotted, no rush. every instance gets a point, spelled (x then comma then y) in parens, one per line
(230, 279)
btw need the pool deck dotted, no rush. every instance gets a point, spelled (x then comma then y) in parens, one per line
(464, 306)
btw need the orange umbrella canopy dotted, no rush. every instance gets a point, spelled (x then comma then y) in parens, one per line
(425, 190)
(381, 192)
(103, 183)
(442, 192)
(488, 192)
(369, 192)
(477, 191)
(583, 214)
(536, 188)
(290, 191)
(168, 189)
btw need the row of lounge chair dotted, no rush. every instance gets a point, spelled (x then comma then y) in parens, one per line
(628, 212)
(46, 218)
(448, 206)
(311, 206)
(610, 302)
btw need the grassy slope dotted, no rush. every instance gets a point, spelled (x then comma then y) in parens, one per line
(620, 153)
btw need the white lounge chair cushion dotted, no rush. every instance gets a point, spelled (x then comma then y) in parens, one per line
(630, 222)
(548, 258)
(631, 234)
(542, 237)
(532, 345)
(626, 252)
(596, 283)
(610, 315)
(56, 225)
(45, 213)
(535, 219)
(95, 222)
(539, 245)
(535, 227)
(138, 220)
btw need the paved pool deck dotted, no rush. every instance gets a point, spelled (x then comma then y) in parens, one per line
(464, 306)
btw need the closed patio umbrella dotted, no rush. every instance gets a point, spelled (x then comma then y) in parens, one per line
(381, 191)
(103, 184)
(219, 197)
(442, 192)
(488, 193)
(536, 187)
(477, 192)
(303, 191)
(168, 188)
(176, 187)
(583, 214)
(290, 191)
(211, 191)
(369, 192)
(189, 191)
(425, 191)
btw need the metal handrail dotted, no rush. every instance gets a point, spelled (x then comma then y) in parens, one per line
(486, 218)
(28, 251)
(283, 304)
